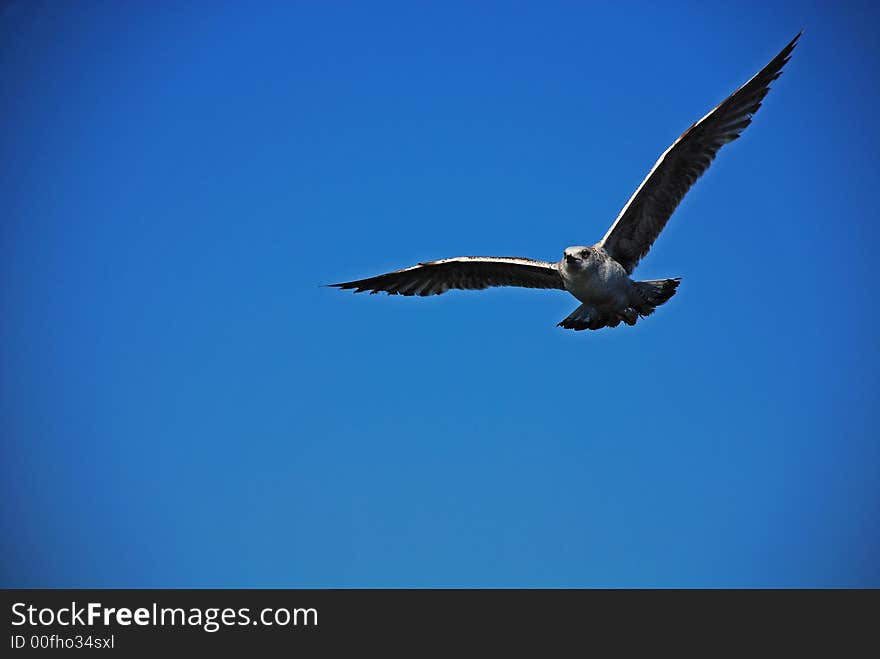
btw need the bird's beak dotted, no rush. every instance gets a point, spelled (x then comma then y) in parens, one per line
(570, 258)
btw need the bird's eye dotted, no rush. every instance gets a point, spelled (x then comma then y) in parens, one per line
(585, 253)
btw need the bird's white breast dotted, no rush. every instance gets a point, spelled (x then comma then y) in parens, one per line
(601, 282)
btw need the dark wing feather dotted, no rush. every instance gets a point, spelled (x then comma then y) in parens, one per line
(462, 272)
(647, 211)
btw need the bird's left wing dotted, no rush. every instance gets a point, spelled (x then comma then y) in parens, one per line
(651, 205)
(462, 272)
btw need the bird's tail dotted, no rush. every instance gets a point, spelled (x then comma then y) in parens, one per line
(653, 293)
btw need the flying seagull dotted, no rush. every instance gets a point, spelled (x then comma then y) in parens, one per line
(599, 276)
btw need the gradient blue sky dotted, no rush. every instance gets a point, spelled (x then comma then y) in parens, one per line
(182, 404)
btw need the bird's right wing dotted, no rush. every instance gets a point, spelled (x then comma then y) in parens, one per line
(462, 272)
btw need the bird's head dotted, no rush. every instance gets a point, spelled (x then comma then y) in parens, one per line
(577, 257)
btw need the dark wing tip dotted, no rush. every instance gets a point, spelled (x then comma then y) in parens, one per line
(783, 57)
(791, 44)
(347, 286)
(786, 52)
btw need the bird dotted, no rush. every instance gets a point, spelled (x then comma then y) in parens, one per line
(599, 275)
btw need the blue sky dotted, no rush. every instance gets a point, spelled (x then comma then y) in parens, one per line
(183, 404)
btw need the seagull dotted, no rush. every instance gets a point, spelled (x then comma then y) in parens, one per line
(599, 275)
